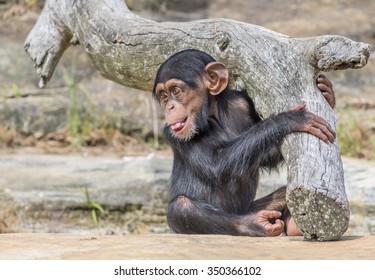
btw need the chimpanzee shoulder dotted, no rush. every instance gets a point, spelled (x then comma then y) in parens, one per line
(236, 111)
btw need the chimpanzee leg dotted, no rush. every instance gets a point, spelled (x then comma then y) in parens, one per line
(291, 228)
(189, 216)
(274, 201)
(277, 201)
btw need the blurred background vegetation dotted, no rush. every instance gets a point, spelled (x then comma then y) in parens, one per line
(81, 111)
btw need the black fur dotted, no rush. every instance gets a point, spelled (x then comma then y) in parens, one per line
(215, 174)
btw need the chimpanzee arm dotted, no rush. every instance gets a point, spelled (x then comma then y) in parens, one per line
(259, 146)
(255, 148)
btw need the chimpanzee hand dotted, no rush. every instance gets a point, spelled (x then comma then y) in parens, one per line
(316, 125)
(269, 220)
(326, 87)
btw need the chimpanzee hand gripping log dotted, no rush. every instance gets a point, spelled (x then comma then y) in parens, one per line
(220, 144)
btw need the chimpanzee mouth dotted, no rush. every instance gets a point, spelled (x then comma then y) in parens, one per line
(178, 126)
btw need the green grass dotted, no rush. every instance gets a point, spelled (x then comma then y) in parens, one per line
(79, 115)
(94, 207)
(355, 140)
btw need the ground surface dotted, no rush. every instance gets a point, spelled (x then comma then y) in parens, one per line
(181, 247)
(45, 193)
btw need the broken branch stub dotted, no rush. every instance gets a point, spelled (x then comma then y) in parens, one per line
(277, 71)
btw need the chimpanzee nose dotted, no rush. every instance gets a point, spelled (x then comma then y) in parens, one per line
(170, 106)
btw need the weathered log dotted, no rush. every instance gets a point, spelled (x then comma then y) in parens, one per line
(277, 71)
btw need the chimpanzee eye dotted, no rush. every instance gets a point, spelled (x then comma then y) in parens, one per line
(163, 96)
(176, 91)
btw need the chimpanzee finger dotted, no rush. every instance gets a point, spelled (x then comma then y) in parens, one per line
(323, 79)
(318, 133)
(324, 88)
(316, 119)
(272, 214)
(330, 98)
(319, 127)
(331, 135)
(298, 107)
(323, 131)
(275, 229)
(323, 125)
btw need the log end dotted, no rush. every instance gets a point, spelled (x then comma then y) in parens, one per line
(318, 216)
(47, 41)
(337, 53)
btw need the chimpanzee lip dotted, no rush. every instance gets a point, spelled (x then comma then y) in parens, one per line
(179, 125)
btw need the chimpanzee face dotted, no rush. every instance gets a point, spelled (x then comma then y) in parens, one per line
(182, 106)
(184, 86)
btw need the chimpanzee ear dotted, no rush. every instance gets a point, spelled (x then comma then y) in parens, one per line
(217, 77)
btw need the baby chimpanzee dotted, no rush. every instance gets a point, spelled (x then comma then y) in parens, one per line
(220, 144)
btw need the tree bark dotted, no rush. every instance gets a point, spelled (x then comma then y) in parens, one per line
(277, 71)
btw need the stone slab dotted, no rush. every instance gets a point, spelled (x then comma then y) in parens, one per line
(31, 246)
(43, 193)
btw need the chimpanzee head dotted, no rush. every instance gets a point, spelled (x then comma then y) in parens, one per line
(183, 86)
